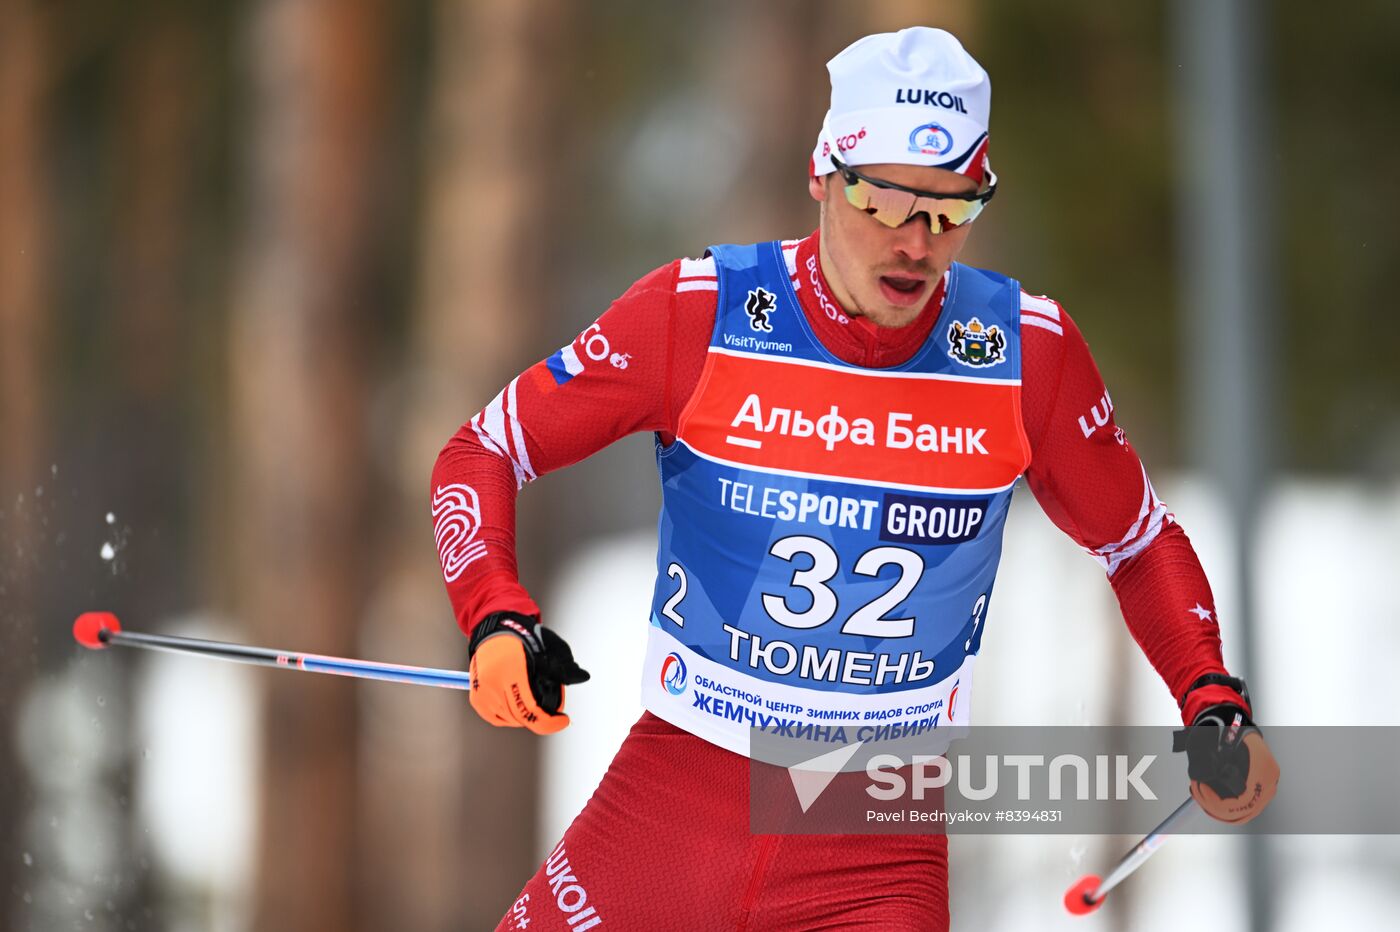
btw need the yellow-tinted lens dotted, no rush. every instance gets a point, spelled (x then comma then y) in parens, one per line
(893, 207)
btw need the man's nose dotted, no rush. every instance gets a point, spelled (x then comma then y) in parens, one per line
(913, 238)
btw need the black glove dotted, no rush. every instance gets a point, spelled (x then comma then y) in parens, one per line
(1233, 773)
(549, 662)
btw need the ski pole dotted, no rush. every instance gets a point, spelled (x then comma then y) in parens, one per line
(1089, 892)
(97, 630)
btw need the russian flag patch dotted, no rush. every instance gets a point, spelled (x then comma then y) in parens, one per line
(564, 365)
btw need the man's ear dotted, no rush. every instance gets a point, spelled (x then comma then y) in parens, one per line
(816, 186)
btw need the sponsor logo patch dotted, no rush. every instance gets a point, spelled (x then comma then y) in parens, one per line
(572, 359)
(953, 434)
(569, 893)
(930, 139)
(845, 143)
(975, 345)
(456, 520)
(930, 98)
(921, 519)
(673, 674)
(520, 913)
(759, 305)
(1100, 413)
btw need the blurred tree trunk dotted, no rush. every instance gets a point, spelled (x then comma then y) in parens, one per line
(460, 794)
(23, 344)
(960, 17)
(769, 66)
(155, 121)
(135, 423)
(138, 407)
(298, 375)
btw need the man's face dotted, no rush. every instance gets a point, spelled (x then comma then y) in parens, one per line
(884, 274)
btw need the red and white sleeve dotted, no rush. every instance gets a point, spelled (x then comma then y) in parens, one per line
(1093, 486)
(619, 376)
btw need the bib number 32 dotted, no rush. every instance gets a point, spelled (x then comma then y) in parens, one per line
(868, 620)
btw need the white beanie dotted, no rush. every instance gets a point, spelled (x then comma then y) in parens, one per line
(913, 97)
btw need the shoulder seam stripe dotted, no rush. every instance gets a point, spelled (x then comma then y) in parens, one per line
(691, 268)
(1040, 305)
(1042, 323)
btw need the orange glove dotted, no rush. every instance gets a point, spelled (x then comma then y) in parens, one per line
(519, 669)
(1233, 773)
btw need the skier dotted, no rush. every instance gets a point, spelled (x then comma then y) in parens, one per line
(839, 421)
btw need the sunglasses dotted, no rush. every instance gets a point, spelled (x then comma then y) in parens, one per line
(893, 204)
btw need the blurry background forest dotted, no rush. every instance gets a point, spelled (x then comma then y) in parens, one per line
(259, 259)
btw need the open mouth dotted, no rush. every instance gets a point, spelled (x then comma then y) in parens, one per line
(902, 290)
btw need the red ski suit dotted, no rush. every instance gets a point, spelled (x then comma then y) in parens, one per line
(634, 370)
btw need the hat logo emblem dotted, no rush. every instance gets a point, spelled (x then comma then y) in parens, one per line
(930, 139)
